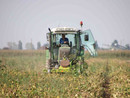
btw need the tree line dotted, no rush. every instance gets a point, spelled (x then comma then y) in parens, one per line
(30, 46)
(19, 46)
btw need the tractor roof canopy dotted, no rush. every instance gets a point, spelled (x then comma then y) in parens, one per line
(64, 30)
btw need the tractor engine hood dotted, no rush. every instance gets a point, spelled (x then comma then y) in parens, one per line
(63, 56)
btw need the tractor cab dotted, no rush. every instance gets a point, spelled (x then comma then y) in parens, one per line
(61, 57)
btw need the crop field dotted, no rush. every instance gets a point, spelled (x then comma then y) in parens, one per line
(105, 76)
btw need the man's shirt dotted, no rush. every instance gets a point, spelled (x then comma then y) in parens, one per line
(62, 41)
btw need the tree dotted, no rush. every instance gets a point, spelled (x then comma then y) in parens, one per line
(12, 45)
(9, 45)
(29, 46)
(115, 43)
(38, 45)
(20, 45)
(127, 46)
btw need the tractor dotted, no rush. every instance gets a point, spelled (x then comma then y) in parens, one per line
(69, 56)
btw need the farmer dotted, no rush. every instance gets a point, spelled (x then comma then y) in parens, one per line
(64, 40)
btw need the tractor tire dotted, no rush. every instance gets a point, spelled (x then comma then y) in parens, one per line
(48, 63)
(80, 67)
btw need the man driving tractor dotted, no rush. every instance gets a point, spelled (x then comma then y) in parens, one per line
(64, 40)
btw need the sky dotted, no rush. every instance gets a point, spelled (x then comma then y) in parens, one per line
(28, 20)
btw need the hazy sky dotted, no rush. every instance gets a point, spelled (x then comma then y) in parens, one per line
(29, 19)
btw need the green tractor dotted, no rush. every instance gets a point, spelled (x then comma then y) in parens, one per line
(68, 56)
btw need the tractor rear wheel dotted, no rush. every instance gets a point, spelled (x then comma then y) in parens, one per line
(80, 67)
(48, 63)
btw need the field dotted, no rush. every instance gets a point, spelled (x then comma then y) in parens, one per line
(105, 76)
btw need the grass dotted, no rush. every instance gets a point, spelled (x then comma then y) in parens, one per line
(21, 75)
